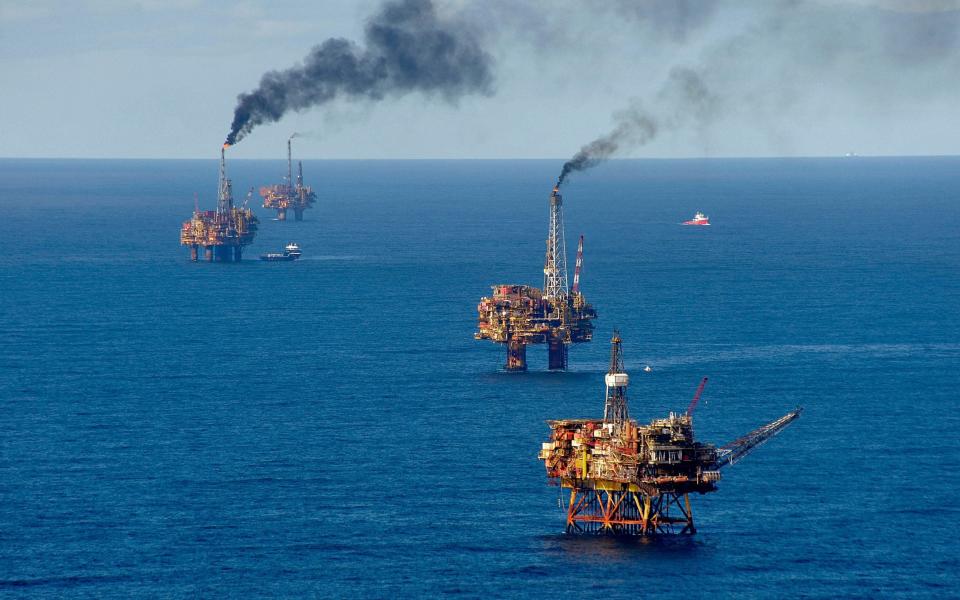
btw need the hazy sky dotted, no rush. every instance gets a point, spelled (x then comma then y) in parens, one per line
(160, 78)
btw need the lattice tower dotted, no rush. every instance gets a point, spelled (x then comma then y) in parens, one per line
(289, 164)
(225, 196)
(555, 266)
(615, 407)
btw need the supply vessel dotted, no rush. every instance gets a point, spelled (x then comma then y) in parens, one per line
(698, 219)
(290, 252)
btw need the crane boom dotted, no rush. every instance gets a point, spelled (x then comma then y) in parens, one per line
(696, 397)
(576, 270)
(740, 447)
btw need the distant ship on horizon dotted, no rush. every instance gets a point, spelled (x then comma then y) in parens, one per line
(698, 219)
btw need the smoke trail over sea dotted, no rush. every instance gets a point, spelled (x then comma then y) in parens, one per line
(684, 99)
(407, 48)
(783, 68)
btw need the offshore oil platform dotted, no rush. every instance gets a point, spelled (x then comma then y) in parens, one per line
(631, 479)
(288, 195)
(518, 315)
(223, 232)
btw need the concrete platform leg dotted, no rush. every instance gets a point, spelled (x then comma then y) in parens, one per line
(193, 253)
(557, 355)
(208, 253)
(281, 214)
(516, 356)
(298, 214)
(223, 253)
(237, 253)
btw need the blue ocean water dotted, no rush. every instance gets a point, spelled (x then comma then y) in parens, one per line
(330, 428)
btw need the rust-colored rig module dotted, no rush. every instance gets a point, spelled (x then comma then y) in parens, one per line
(222, 233)
(631, 479)
(287, 195)
(518, 315)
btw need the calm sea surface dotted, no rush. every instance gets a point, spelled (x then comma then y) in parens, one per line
(330, 428)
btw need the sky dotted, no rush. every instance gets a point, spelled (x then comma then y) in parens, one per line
(161, 79)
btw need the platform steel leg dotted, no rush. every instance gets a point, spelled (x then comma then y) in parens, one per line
(621, 512)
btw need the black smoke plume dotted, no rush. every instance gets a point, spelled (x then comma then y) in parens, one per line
(684, 98)
(407, 47)
(634, 127)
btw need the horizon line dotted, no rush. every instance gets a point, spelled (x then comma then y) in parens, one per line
(411, 159)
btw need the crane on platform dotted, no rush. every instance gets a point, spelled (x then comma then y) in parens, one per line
(740, 447)
(696, 397)
(576, 270)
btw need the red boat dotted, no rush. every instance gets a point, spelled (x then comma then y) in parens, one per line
(698, 219)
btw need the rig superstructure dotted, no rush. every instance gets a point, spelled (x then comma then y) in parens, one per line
(287, 195)
(518, 315)
(630, 479)
(223, 232)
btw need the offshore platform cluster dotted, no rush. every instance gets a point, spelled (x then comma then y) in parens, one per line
(223, 233)
(624, 478)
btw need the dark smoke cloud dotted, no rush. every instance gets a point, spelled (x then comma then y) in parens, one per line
(408, 48)
(786, 67)
(684, 99)
(786, 70)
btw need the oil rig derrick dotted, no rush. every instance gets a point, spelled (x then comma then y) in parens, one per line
(630, 479)
(289, 195)
(557, 315)
(222, 233)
